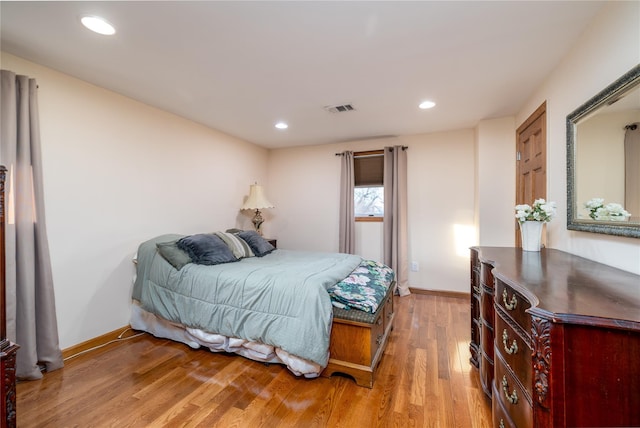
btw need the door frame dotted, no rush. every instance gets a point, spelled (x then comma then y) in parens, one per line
(541, 111)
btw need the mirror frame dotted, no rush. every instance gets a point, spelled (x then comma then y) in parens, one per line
(607, 96)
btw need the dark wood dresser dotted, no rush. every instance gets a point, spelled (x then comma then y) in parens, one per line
(482, 320)
(7, 349)
(566, 337)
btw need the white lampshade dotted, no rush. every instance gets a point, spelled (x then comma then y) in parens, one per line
(256, 199)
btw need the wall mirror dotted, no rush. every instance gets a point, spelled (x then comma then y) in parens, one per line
(603, 160)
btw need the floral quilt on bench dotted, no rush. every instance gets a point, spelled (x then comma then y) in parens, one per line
(364, 289)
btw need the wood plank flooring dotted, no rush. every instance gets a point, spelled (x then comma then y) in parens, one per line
(425, 380)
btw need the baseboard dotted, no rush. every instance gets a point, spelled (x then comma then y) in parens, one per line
(445, 293)
(95, 342)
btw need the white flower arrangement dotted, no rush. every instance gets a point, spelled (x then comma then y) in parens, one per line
(611, 211)
(595, 207)
(617, 211)
(540, 211)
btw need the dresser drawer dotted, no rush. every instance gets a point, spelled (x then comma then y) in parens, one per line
(475, 307)
(501, 418)
(514, 304)
(511, 395)
(486, 277)
(475, 332)
(486, 306)
(514, 351)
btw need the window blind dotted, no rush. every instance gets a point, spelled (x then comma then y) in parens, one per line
(368, 168)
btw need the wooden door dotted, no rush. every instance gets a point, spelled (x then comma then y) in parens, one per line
(531, 161)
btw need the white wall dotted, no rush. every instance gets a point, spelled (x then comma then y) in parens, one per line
(608, 48)
(305, 186)
(600, 164)
(117, 172)
(496, 182)
(441, 208)
(369, 237)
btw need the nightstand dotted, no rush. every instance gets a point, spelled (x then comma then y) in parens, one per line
(273, 242)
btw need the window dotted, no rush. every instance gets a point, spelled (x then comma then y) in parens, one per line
(368, 194)
(368, 201)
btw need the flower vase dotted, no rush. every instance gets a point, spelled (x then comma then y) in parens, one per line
(531, 234)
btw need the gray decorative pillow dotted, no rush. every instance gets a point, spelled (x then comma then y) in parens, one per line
(174, 255)
(259, 245)
(206, 249)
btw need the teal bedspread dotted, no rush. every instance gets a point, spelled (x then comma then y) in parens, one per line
(280, 299)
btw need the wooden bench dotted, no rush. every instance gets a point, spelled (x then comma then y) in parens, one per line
(358, 340)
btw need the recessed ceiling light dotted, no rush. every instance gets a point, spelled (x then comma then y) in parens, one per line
(427, 104)
(98, 25)
(281, 125)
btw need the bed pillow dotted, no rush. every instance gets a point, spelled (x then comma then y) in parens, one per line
(238, 246)
(258, 244)
(174, 255)
(234, 230)
(206, 249)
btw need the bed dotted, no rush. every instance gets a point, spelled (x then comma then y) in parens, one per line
(316, 313)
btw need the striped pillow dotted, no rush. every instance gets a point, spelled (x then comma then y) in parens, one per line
(238, 246)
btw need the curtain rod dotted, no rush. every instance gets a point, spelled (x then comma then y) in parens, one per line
(390, 148)
(631, 127)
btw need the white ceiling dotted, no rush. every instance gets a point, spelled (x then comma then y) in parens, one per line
(240, 67)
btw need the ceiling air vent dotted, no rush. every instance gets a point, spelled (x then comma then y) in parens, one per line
(339, 108)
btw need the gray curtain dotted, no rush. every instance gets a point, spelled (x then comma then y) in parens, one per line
(395, 215)
(31, 313)
(632, 169)
(347, 228)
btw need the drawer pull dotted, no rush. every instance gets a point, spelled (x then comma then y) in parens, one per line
(509, 349)
(379, 339)
(511, 304)
(511, 398)
(379, 321)
(501, 423)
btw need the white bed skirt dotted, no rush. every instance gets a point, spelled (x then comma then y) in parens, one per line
(159, 327)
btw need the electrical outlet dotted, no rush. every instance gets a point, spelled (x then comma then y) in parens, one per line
(415, 267)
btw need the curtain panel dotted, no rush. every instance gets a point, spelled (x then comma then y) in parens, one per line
(31, 314)
(395, 215)
(632, 169)
(347, 227)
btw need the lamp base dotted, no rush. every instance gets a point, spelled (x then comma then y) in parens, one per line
(257, 221)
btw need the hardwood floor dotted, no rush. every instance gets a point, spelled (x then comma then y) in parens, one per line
(425, 380)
